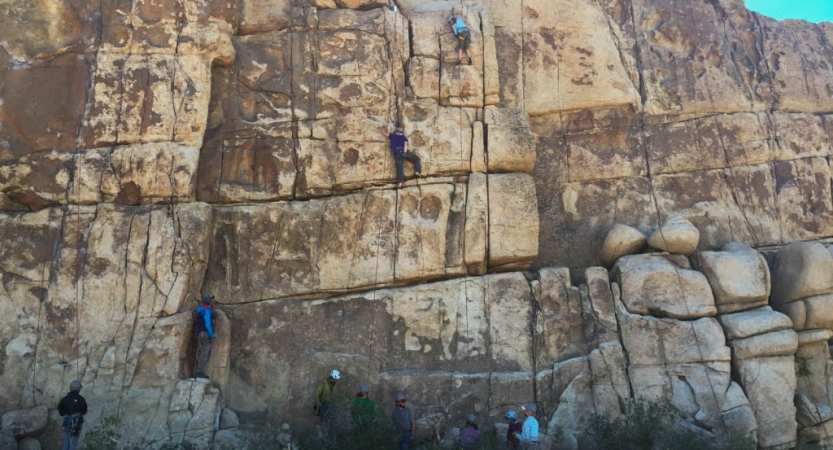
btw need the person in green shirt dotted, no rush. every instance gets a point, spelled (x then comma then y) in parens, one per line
(325, 395)
(363, 407)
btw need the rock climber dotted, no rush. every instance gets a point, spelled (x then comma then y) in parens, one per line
(325, 395)
(528, 436)
(363, 407)
(470, 433)
(461, 32)
(72, 408)
(205, 333)
(515, 427)
(401, 152)
(403, 419)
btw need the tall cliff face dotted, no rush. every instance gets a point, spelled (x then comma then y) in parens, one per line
(154, 151)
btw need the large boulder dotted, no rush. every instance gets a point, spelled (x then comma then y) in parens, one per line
(26, 422)
(810, 313)
(770, 385)
(657, 285)
(753, 322)
(738, 275)
(676, 235)
(621, 240)
(801, 270)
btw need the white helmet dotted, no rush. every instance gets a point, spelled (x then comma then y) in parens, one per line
(335, 374)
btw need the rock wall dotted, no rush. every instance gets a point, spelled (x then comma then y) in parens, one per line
(151, 152)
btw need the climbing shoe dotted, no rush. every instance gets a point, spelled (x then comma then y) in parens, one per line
(469, 61)
(459, 62)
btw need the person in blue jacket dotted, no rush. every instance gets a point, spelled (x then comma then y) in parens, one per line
(461, 32)
(529, 432)
(205, 336)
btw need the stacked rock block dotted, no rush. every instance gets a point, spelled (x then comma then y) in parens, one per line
(151, 152)
(801, 288)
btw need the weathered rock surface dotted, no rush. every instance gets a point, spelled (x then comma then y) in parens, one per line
(676, 235)
(621, 240)
(738, 275)
(29, 443)
(801, 270)
(513, 221)
(770, 385)
(753, 322)
(656, 285)
(26, 422)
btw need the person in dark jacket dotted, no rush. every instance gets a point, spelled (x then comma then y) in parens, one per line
(72, 408)
(515, 427)
(205, 336)
(470, 433)
(401, 153)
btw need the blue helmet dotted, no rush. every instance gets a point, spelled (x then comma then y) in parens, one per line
(207, 298)
(511, 415)
(471, 418)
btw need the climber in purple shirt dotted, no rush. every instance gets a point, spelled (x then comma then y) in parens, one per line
(401, 152)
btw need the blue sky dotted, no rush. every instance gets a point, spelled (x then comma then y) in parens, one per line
(812, 10)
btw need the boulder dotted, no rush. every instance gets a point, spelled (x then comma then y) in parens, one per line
(676, 235)
(753, 322)
(227, 439)
(228, 420)
(770, 385)
(801, 270)
(654, 285)
(810, 413)
(621, 240)
(7, 440)
(26, 422)
(775, 343)
(510, 144)
(738, 275)
(28, 443)
(513, 221)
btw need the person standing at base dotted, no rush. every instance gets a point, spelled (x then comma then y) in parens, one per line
(470, 433)
(325, 395)
(403, 420)
(363, 407)
(72, 408)
(461, 32)
(205, 333)
(515, 427)
(529, 431)
(401, 153)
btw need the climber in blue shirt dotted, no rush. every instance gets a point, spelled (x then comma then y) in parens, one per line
(205, 336)
(461, 32)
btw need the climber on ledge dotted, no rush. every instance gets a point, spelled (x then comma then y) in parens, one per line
(461, 32)
(325, 395)
(399, 147)
(72, 408)
(205, 336)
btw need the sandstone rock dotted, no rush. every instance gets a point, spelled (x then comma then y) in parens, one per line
(676, 235)
(621, 240)
(7, 439)
(650, 341)
(29, 443)
(477, 222)
(801, 270)
(510, 146)
(228, 420)
(655, 285)
(227, 439)
(738, 275)
(513, 221)
(24, 423)
(776, 343)
(590, 75)
(770, 385)
(753, 322)
(560, 334)
(811, 336)
(810, 413)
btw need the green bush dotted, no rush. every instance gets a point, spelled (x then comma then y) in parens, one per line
(105, 436)
(651, 426)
